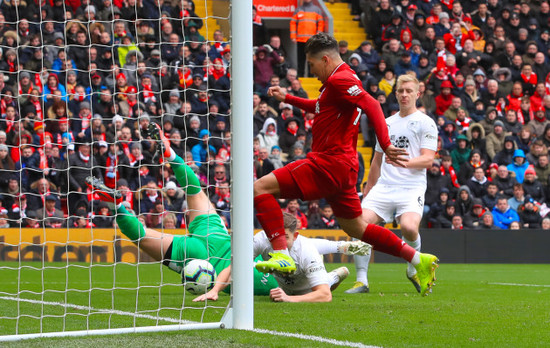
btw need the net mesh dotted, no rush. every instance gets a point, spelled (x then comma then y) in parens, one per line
(78, 81)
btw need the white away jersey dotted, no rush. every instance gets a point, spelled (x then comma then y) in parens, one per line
(310, 269)
(412, 133)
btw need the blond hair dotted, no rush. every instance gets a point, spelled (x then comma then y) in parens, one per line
(408, 77)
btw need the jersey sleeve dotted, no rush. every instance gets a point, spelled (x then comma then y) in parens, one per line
(378, 148)
(429, 135)
(261, 244)
(350, 90)
(314, 267)
(308, 105)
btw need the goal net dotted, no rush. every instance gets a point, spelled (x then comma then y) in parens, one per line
(79, 81)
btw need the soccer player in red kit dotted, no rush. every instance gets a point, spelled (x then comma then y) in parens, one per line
(330, 169)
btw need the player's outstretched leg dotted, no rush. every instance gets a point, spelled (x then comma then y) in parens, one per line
(387, 242)
(154, 243)
(425, 271)
(356, 247)
(129, 225)
(270, 216)
(184, 174)
(337, 276)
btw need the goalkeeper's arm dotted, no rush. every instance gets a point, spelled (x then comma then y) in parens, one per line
(221, 283)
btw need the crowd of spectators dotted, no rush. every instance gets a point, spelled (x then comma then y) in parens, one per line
(80, 78)
(485, 80)
(484, 76)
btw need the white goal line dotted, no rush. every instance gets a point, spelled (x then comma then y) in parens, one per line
(144, 329)
(97, 310)
(314, 338)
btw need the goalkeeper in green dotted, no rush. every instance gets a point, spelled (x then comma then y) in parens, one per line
(207, 239)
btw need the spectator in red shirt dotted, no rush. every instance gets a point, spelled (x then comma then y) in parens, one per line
(444, 99)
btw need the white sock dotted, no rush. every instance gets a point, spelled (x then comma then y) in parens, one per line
(324, 246)
(333, 278)
(416, 246)
(284, 251)
(416, 259)
(362, 267)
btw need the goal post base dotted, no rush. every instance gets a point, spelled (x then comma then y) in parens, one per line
(101, 332)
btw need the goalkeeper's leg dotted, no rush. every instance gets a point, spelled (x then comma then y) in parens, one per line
(154, 243)
(197, 200)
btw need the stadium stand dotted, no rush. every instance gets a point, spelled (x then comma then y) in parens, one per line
(78, 79)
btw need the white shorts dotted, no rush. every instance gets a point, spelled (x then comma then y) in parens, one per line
(392, 201)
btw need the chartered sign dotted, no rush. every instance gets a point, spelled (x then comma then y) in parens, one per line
(275, 8)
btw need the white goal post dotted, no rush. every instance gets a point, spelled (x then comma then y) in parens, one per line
(239, 313)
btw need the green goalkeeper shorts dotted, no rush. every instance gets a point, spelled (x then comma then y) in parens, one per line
(208, 240)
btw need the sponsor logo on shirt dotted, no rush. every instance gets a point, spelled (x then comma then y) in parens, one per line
(354, 90)
(315, 269)
(402, 142)
(430, 136)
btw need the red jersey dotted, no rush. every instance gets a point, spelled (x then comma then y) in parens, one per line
(337, 115)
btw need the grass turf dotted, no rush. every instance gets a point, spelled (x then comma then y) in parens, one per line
(465, 309)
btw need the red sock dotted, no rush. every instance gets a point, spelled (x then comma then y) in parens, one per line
(270, 216)
(387, 242)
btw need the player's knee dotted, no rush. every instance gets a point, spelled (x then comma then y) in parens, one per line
(409, 231)
(258, 188)
(266, 185)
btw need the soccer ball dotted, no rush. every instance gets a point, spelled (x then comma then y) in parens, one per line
(199, 276)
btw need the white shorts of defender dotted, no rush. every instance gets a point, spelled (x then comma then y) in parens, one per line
(392, 201)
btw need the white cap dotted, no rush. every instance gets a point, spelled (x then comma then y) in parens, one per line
(170, 186)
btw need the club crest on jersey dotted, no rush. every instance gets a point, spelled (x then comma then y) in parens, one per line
(354, 90)
(412, 125)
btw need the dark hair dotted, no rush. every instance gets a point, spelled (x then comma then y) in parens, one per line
(321, 42)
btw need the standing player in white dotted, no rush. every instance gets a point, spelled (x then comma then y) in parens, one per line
(399, 190)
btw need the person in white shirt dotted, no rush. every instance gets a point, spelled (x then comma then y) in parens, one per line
(394, 191)
(311, 282)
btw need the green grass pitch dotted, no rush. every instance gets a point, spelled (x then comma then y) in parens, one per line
(472, 305)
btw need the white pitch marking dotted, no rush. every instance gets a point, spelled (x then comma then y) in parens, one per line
(314, 338)
(513, 284)
(92, 309)
(172, 320)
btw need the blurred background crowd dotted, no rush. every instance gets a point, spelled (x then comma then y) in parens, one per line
(80, 78)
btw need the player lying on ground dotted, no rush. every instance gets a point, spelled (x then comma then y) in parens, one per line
(310, 282)
(208, 238)
(330, 169)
